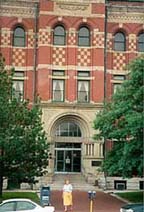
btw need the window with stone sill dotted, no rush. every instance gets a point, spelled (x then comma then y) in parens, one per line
(59, 35)
(118, 80)
(119, 42)
(18, 85)
(83, 91)
(19, 37)
(84, 36)
(58, 90)
(141, 42)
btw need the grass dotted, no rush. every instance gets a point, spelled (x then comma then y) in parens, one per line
(30, 195)
(135, 197)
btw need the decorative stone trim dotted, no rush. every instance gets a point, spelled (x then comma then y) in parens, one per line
(126, 18)
(19, 11)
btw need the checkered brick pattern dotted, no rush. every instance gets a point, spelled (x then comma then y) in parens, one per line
(31, 39)
(18, 57)
(119, 61)
(84, 57)
(132, 43)
(5, 38)
(44, 37)
(98, 40)
(71, 39)
(59, 56)
(109, 42)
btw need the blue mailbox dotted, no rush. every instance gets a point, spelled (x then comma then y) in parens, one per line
(45, 195)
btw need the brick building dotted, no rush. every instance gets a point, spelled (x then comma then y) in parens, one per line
(73, 54)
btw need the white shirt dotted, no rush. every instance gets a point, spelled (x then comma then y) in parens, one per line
(67, 188)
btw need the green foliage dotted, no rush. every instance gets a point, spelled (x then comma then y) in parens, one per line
(121, 120)
(29, 195)
(23, 142)
(135, 197)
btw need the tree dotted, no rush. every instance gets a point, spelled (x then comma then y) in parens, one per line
(121, 121)
(23, 142)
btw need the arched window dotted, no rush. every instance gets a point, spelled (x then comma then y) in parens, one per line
(19, 36)
(68, 129)
(141, 42)
(119, 42)
(59, 35)
(84, 36)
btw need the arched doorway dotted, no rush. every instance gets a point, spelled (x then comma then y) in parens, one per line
(68, 144)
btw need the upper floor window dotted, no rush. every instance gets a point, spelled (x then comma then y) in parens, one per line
(117, 82)
(119, 42)
(19, 37)
(83, 91)
(18, 85)
(84, 36)
(83, 86)
(141, 42)
(58, 85)
(58, 90)
(59, 35)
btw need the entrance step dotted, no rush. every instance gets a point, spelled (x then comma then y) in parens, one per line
(77, 180)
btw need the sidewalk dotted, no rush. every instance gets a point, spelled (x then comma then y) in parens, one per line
(103, 202)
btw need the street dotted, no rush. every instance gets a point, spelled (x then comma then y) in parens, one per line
(103, 202)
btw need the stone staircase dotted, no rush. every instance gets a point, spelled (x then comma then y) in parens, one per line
(77, 180)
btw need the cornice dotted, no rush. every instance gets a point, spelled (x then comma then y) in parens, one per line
(23, 10)
(126, 18)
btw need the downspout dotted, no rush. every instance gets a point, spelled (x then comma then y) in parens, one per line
(105, 81)
(105, 54)
(35, 52)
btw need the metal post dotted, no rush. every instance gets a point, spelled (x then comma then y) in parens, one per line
(91, 205)
(91, 195)
(35, 51)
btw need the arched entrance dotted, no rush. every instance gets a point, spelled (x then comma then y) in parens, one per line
(67, 138)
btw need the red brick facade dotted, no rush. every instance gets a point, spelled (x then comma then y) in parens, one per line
(40, 57)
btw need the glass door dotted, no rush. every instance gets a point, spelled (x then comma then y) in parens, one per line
(59, 163)
(68, 161)
(76, 161)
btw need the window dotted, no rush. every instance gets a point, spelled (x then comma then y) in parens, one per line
(119, 42)
(18, 85)
(120, 184)
(58, 90)
(68, 129)
(83, 86)
(96, 163)
(116, 87)
(19, 37)
(84, 36)
(117, 82)
(58, 85)
(119, 77)
(59, 35)
(24, 206)
(83, 91)
(9, 206)
(83, 74)
(58, 73)
(141, 42)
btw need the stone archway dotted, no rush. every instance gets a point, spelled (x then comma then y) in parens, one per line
(67, 136)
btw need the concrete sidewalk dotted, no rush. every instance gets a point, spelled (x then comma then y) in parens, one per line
(103, 202)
